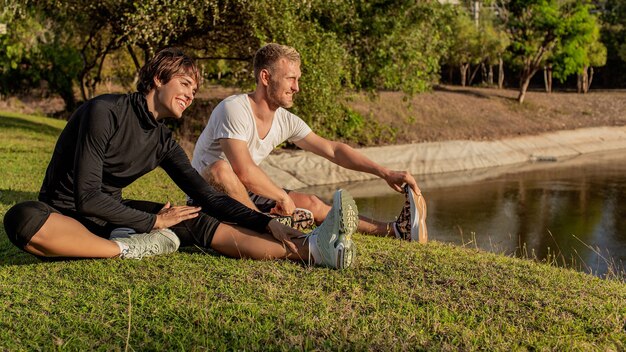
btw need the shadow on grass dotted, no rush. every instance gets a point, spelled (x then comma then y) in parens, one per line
(473, 93)
(11, 197)
(15, 122)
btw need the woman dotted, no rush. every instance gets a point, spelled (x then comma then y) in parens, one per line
(111, 141)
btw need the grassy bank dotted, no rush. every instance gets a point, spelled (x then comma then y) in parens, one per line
(398, 296)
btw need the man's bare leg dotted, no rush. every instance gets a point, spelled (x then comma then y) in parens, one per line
(321, 209)
(238, 242)
(221, 176)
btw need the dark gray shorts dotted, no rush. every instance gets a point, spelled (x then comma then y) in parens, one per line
(262, 203)
(24, 219)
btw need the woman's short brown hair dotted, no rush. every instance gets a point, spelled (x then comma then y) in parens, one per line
(163, 66)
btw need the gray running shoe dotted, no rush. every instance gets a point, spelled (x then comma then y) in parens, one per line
(411, 223)
(156, 242)
(334, 234)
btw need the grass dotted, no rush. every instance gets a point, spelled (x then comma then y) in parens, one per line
(398, 296)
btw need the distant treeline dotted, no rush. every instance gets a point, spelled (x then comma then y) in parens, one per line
(346, 45)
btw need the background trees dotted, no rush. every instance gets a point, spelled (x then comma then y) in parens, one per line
(346, 45)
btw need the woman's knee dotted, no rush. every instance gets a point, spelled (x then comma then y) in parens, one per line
(25, 220)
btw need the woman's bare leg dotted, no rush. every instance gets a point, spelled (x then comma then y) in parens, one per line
(239, 242)
(63, 236)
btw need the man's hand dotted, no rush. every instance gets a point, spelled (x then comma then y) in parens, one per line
(396, 179)
(170, 216)
(284, 234)
(284, 206)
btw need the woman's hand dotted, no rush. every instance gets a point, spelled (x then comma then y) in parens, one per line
(284, 234)
(170, 216)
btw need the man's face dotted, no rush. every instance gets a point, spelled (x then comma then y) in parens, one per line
(283, 83)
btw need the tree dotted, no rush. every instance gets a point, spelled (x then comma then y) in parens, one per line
(465, 47)
(493, 40)
(33, 51)
(579, 46)
(613, 35)
(535, 27)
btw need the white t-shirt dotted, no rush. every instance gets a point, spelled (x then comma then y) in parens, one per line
(233, 118)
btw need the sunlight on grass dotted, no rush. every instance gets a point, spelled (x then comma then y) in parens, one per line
(399, 295)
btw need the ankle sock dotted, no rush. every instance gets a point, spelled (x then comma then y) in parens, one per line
(123, 246)
(313, 250)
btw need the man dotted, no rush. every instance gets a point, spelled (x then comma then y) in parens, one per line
(244, 129)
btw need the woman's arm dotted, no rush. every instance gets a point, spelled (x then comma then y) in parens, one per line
(214, 203)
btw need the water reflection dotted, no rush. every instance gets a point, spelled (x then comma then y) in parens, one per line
(571, 212)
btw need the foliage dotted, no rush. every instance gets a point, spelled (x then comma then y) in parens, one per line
(35, 50)
(579, 45)
(465, 47)
(614, 38)
(391, 45)
(541, 29)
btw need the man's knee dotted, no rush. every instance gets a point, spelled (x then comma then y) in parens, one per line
(312, 203)
(221, 176)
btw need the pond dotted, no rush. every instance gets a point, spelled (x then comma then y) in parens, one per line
(570, 212)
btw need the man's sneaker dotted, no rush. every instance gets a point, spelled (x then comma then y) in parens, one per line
(301, 219)
(411, 223)
(333, 236)
(156, 242)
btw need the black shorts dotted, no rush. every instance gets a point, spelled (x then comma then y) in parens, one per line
(262, 203)
(24, 219)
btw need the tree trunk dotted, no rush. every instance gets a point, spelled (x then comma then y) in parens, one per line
(134, 57)
(473, 74)
(585, 80)
(483, 71)
(500, 72)
(463, 68)
(490, 76)
(524, 82)
(547, 78)
(590, 78)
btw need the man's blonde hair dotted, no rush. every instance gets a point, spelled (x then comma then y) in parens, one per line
(270, 54)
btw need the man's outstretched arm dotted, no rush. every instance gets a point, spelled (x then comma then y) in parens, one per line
(349, 158)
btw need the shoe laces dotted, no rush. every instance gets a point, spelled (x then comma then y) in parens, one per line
(307, 237)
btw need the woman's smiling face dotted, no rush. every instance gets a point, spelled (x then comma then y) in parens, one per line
(175, 96)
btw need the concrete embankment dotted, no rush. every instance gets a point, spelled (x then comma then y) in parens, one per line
(299, 169)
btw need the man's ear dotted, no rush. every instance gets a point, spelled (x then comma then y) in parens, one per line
(157, 82)
(264, 77)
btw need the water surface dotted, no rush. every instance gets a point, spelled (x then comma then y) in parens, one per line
(570, 212)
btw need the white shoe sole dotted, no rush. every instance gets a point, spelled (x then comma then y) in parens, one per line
(419, 232)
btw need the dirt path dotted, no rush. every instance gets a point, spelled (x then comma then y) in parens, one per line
(455, 113)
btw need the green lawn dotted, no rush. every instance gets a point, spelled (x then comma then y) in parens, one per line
(399, 296)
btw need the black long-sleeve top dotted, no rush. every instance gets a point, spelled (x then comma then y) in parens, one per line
(111, 141)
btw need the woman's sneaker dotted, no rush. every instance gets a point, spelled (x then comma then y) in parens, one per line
(335, 248)
(411, 223)
(301, 219)
(137, 246)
